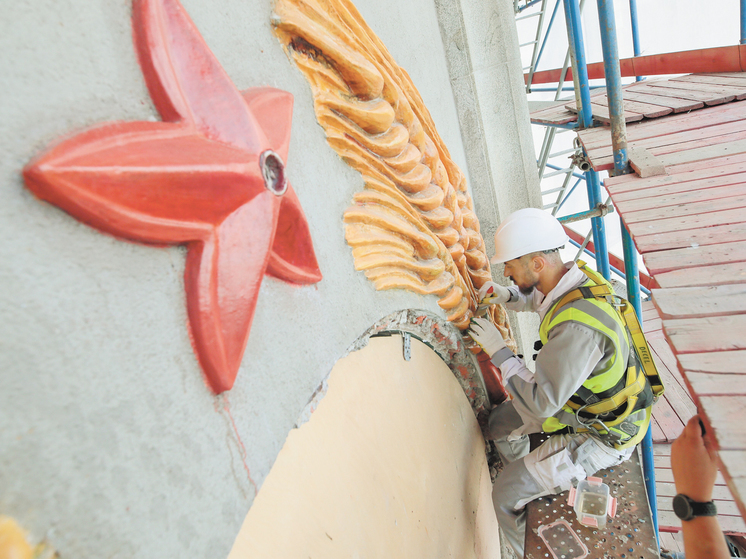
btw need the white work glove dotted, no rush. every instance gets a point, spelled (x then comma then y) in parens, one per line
(492, 293)
(486, 335)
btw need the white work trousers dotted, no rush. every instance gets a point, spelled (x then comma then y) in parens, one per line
(552, 468)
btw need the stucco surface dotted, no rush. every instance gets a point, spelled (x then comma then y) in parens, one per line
(391, 464)
(111, 444)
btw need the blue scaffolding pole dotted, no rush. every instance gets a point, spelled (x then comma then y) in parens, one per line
(635, 31)
(585, 120)
(619, 143)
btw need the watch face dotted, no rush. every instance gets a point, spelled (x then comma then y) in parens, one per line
(682, 508)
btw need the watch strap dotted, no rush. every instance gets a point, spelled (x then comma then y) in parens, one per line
(687, 508)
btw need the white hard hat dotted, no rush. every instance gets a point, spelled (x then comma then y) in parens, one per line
(526, 231)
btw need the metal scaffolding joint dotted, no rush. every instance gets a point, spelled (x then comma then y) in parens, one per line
(599, 211)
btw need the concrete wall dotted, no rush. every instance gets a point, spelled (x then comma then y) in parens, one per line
(111, 444)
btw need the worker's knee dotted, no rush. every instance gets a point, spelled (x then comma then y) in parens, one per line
(514, 487)
(503, 421)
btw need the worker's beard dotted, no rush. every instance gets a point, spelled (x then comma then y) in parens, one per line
(525, 290)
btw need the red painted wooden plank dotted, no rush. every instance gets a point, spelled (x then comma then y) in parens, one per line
(734, 74)
(715, 79)
(662, 450)
(699, 302)
(690, 238)
(708, 165)
(682, 405)
(677, 105)
(680, 209)
(710, 95)
(729, 524)
(657, 432)
(702, 153)
(708, 99)
(593, 136)
(563, 118)
(645, 109)
(726, 415)
(667, 489)
(551, 114)
(602, 114)
(669, 542)
(717, 137)
(665, 475)
(677, 186)
(719, 92)
(556, 114)
(734, 464)
(676, 393)
(680, 173)
(698, 221)
(713, 384)
(667, 261)
(718, 133)
(731, 112)
(718, 274)
(646, 200)
(662, 461)
(718, 362)
(697, 335)
(652, 326)
(670, 423)
(549, 108)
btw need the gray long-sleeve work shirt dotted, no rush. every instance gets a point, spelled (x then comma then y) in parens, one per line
(572, 353)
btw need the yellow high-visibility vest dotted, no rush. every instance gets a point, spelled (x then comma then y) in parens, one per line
(614, 403)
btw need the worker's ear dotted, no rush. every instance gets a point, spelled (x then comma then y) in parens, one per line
(538, 263)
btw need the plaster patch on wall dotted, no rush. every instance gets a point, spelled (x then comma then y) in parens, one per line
(391, 464)
(414, 226)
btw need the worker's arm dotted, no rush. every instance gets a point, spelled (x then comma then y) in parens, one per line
(567, 359)
(694, 466)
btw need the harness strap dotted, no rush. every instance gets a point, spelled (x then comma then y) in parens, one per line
(634, 384)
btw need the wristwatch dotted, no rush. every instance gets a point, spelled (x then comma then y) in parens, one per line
(686, 509)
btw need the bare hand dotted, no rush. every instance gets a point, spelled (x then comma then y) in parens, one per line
(694, 463)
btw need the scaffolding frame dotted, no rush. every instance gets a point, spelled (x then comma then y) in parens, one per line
(575, 58)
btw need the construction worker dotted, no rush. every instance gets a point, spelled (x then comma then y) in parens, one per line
(584, 356)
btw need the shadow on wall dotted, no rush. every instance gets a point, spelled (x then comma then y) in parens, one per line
(389, 462)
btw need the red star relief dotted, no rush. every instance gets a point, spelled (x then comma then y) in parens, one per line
(211, 176)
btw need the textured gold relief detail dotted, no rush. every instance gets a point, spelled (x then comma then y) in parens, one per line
(14, 543)
(413, 226)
